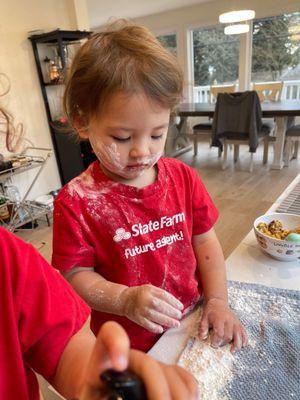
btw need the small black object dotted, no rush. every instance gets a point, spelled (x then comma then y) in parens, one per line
(125, 385)
(30, 225)
(54, 193)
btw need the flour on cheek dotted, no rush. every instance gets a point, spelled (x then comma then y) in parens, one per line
(111, 159)
(107, 155)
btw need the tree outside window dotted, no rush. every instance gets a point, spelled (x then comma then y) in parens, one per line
(169, 42)
(276, 48)
(216, 57)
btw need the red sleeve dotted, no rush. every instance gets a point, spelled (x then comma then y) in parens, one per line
(205, 213)
(51, 313)
(70, 239)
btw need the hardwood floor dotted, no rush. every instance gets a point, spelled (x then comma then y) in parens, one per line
(240, 196)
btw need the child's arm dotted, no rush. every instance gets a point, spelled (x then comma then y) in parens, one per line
(84, 359)
(149, 306)
(216, 314)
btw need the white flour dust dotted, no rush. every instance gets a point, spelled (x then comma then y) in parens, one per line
(101, 298)
(113, 161)
(85, 186)
(212, 368)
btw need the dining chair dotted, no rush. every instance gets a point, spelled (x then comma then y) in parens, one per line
(292, 139)
(216, 89)
(238, 121)
(268, 90)
(203, 131)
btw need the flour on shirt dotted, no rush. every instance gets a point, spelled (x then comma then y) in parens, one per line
(85, 186)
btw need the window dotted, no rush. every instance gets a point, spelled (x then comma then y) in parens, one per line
(169, 42)
(216, 56)
(276, 52)
(275, 56)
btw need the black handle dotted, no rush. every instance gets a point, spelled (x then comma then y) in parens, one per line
(125, 385)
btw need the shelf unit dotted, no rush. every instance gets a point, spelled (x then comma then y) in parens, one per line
(72, 156)
(30, 213)
(25, 211)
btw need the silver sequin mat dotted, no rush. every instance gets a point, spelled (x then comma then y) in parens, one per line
(269, 368)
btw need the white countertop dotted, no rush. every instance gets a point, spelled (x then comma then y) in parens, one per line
(248, 264)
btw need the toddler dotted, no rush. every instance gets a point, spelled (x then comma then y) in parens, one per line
(134, 233)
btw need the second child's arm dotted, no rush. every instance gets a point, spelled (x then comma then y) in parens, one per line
(84, 358)
(149, 306)
(216, 313)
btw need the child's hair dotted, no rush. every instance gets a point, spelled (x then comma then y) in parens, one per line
(124, 58)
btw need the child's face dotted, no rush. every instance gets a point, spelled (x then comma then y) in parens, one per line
(129, 136)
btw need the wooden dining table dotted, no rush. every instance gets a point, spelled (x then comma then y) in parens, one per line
(179, 142)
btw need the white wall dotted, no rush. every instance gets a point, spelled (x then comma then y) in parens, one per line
(24, 100)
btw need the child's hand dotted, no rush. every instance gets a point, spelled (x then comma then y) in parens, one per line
(225, 325)
(167, 382)
(151, 307)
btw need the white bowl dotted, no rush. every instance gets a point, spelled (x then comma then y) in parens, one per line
(282, 250)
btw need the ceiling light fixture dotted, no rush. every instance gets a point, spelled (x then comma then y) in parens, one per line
(236, 29)
(236, 16)
(237, 21)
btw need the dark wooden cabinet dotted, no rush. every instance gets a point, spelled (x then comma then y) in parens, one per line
(52, 54)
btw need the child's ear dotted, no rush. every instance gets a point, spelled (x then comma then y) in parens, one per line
(83, 133)
(81, 126)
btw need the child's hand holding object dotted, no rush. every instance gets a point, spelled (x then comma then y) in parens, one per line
(151, 307)
(224, 324)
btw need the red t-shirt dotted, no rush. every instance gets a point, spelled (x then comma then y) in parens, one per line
(39, 312)
(134, 236)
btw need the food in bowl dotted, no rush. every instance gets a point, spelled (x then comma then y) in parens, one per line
(275, 229)
(278, 235)
(293, 237)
